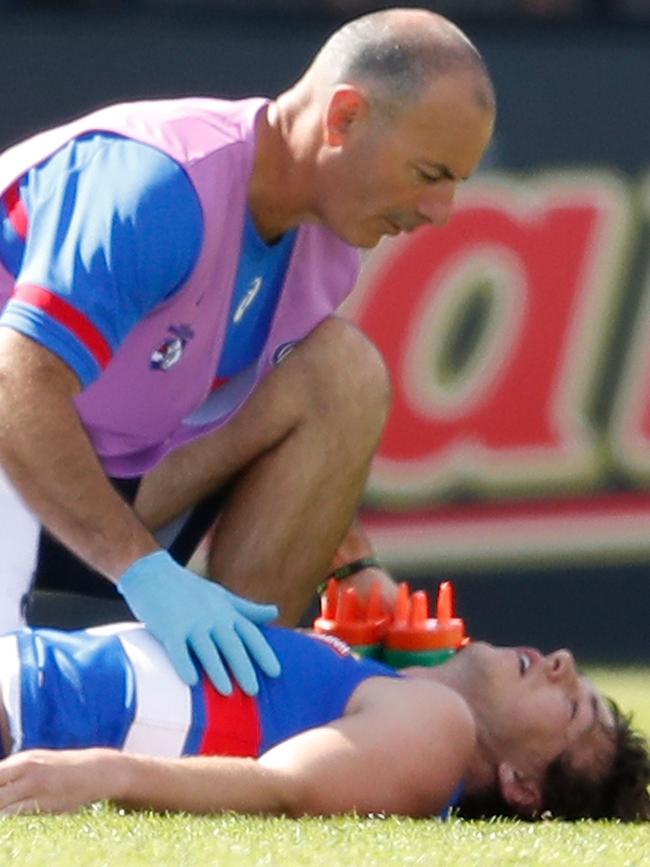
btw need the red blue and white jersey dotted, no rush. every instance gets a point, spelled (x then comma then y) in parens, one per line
(114, 686)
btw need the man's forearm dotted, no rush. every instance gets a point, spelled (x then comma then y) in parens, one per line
(51, 462)
(49, 459)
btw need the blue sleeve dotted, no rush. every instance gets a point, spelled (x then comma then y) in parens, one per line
(114, 228)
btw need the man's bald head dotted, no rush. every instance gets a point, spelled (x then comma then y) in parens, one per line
(395, 111)
(396, 54)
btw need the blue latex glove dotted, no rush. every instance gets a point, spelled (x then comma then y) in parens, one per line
(184, 611)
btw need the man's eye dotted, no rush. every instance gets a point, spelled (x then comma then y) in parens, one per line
(427, 177)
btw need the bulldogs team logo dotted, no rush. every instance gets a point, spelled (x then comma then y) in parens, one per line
(170, 350)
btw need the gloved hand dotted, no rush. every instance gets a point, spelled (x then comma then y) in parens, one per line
(184, 611)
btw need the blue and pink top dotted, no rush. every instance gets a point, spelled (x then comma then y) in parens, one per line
(145, 274)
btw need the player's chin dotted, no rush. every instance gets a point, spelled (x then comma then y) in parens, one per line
(481, 650)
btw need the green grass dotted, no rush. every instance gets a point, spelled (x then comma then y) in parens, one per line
(102, 835)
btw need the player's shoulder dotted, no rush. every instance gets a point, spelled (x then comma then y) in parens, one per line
(421, 702)
(427, 735)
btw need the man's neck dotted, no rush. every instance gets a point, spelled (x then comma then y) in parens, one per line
(278, 194)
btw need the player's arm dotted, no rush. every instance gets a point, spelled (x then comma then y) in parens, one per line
(403, 751)
(61, 781)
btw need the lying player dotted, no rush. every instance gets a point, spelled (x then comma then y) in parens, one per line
(496, 730)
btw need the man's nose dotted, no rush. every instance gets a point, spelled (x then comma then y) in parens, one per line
(436, 203)
(561, 666)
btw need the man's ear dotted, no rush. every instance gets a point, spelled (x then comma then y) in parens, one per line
(520, 791)
(347, 106)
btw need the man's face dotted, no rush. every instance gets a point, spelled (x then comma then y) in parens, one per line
(387, 177)
(535, 708)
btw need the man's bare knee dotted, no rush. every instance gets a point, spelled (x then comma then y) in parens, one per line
(347, 372)
(333, 389)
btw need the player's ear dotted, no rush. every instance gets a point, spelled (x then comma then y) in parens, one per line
(522, 792)
(347, 107)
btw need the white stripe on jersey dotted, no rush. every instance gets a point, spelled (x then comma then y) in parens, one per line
(10, 688)
(163, 712)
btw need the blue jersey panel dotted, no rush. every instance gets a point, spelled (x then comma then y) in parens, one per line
(114, 227)
(260, 275)
(199, 720)
(76, 690)
(318, 677)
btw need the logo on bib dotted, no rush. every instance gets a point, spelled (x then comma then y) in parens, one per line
(248, 299)
(282, 351)
(170, 350)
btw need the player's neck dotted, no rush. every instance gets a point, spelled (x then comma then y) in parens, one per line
(481, 771)
(450, 673)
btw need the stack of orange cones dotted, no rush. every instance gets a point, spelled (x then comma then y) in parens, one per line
(408, 637)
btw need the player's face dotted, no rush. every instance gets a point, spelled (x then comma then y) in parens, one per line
(391, 177)
(537, 707)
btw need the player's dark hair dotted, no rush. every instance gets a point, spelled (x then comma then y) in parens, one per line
(622, 793)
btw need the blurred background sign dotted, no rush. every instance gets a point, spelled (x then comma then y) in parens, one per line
(509, 441)
(517, 456)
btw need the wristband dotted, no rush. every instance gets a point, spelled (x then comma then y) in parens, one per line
(352, 568)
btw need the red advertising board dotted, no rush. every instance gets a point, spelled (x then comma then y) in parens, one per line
(519, 351)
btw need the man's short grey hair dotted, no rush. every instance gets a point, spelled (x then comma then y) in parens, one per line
(396, 63)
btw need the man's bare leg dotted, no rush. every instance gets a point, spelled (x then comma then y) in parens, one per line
(297, 455)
